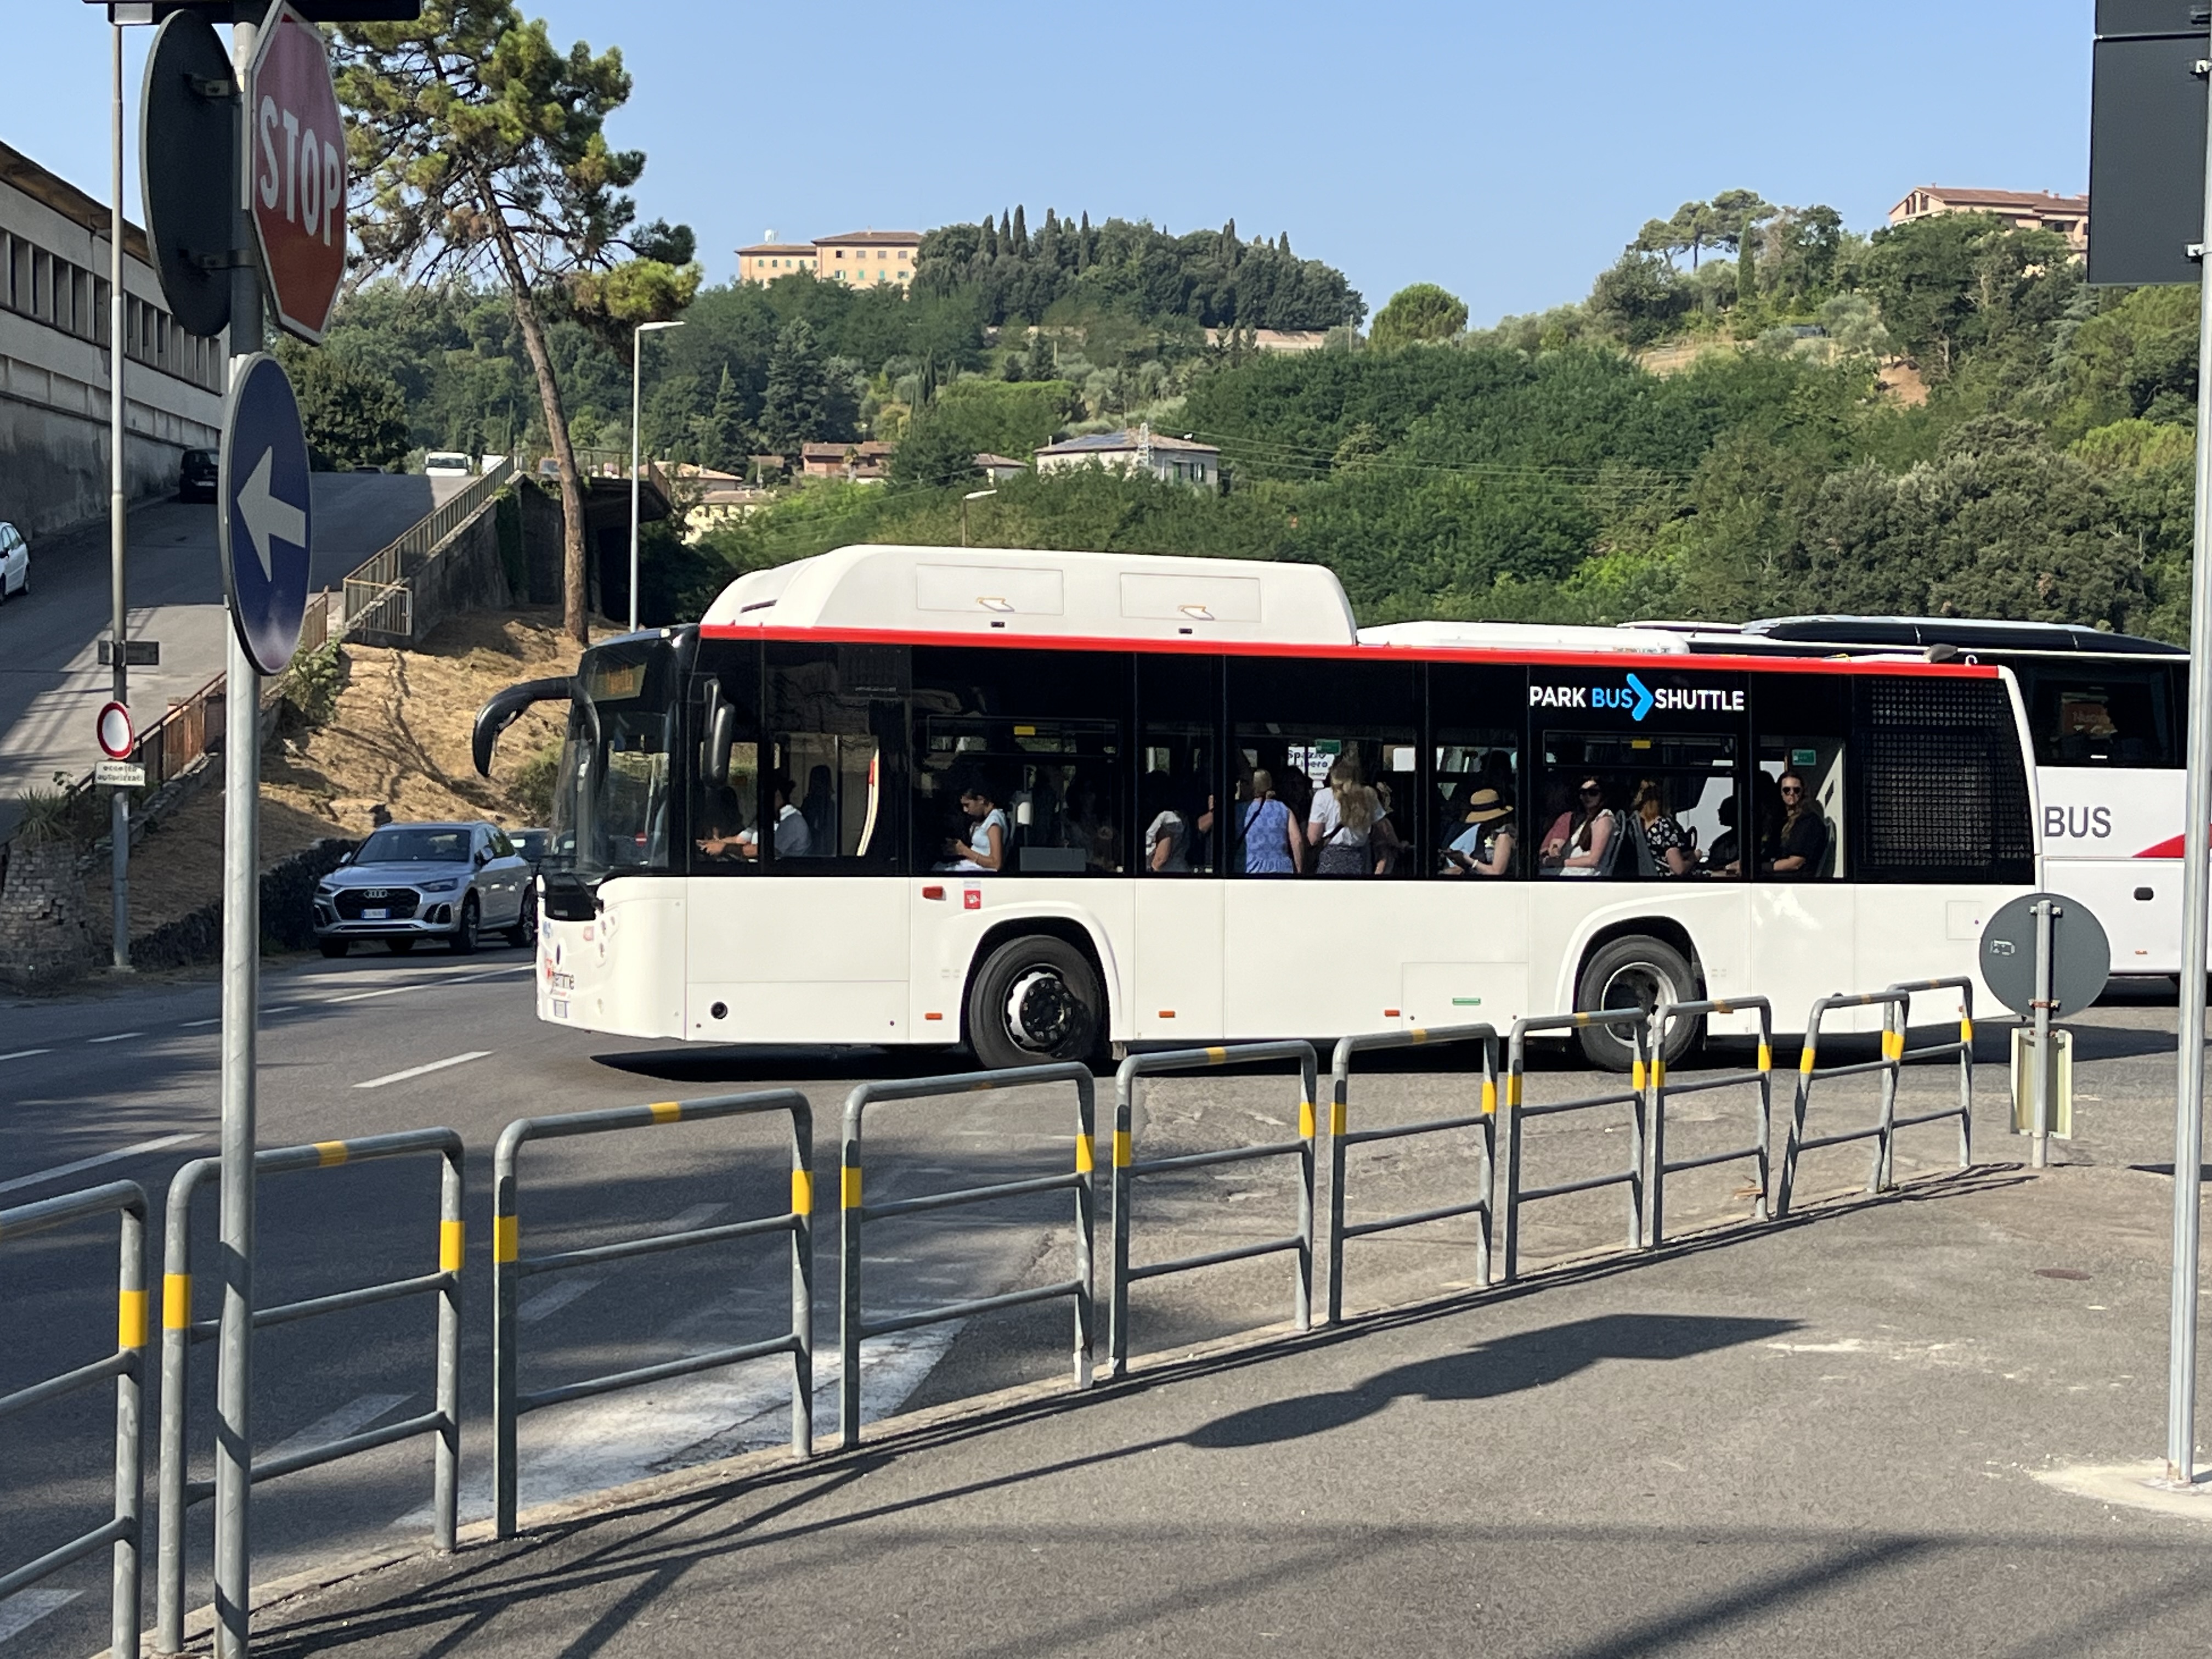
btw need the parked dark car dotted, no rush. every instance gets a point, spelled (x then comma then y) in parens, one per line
(532, 844)
(196, 475)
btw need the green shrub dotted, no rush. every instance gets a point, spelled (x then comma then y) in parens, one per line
(533, 785)
(311, 687)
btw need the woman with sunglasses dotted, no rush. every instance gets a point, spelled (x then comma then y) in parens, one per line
(1581, 850)
(1803, 838)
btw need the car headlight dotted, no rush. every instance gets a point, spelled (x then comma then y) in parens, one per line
(445, 886)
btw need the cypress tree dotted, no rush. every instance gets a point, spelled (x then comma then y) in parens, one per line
(1006, 234)
(1746, 277)
(1021, 232)
(1083, 249)
(990, 239)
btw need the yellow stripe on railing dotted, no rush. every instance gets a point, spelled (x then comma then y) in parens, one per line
(849, 1185)
(131, 1319)
(1805, 1061)
(329, 1153)
(1965, 1029)
(1083, 1154)
(1489, 1098)
(1658, 1073)
(665, 1111)
(1636, 1074)
(802, 1193)
(451, 1238)
(176, 1302)
(1892, 1045)
(1305, 1120)
(1339, 1116)
(1765, 1058)
(1217, 1056)
(506, 1238)
(1121, 1149)
(1513, 1088)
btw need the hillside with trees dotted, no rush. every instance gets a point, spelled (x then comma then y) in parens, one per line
(1788, 460)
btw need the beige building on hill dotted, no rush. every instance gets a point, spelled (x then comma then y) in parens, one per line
(2026, 210)
(860, 258)
(1173, 460)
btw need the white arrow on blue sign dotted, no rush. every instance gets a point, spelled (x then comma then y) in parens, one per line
(266, 520)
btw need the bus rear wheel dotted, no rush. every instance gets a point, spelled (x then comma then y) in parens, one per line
(1036, 1000)
(1634, 971)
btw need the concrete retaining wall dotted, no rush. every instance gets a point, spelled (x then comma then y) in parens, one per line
(55, 478)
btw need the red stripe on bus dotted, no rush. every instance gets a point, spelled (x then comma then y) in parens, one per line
(1659, 662)
(2169, 848)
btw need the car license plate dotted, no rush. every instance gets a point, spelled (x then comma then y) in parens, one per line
(375, 915)
(560, 1008)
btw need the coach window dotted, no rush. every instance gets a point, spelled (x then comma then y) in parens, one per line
(723, 719)
(1178, 764)
(1939, 788)
(1340, 742)
(1611, 804)
(2116, 716)
(1800, 784)
(1475, 771)
(836, 719)
(1042, 737)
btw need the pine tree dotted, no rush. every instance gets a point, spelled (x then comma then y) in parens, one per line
(795, 404)
(725, 434)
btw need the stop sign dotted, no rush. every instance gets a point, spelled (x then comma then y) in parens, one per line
(295, 171)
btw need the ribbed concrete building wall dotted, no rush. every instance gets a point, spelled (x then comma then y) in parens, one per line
(54, 373)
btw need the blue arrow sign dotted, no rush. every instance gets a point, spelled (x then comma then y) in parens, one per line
(265, 523)
(1643, 697)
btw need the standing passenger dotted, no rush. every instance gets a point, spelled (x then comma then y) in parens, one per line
(1342, 820)
(1266, 832)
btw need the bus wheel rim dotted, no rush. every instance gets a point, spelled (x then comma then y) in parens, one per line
(1039, 1010)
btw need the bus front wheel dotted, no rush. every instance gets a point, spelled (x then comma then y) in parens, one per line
(1037, 999)
(1635, 971)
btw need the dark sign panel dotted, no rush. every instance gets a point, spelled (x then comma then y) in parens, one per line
(2147, 120)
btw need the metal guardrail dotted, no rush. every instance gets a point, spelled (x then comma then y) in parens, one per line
(174, 741)
(127, 1365)
(1892, 1005)
(1761, 1076)
(379, 595)
(1126, 1169)
(1962, 1046)
(1342, 1136)
(180, 1331)
(1636, 1022)
(510, 1268)
(854, 1325)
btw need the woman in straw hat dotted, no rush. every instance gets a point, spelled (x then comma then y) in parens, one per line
(1485, 848)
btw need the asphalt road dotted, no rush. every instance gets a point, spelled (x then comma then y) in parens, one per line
(124, 1083)
(50, 681)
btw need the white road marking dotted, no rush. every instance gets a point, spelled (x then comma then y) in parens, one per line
(426, 984)
(26, 1607)
(121, 1152)
(546, 1303)
(347, 1419)
(190, 1024)
(422, 1070)
(25, 1054)
(119, 1037)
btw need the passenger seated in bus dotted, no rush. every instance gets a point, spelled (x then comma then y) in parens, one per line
(820, 811)
(1090, 828)
(793, 838)
(1585, 850)
(1803, 838)
(986, 845)
(1341, 820)
(1267, 840)
(1484, 846)
(1726, 858)
(1671, 851)
(722, 822)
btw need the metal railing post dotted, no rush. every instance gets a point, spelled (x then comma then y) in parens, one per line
(1637, 1024)
(1126, 1169)
(1342, 1137)
(1895, 1003)
(125, 1530)
(854, 1325)
(510, 1267)
(1761, 1076)
(445, 1475)
(176, 1381)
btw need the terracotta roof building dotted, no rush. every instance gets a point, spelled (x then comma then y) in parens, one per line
(860, 258)
(2027, 209)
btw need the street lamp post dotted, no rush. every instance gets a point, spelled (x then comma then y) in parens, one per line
(972, 495)
(637, 366)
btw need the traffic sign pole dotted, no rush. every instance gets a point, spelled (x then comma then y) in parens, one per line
(2046, 912)
(241, 1012)
(2195, 895)
(119, 807)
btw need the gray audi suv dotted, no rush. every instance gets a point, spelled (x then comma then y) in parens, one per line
(454, 882)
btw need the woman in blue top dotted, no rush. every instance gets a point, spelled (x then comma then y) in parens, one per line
(1271, 839)
(986, 845)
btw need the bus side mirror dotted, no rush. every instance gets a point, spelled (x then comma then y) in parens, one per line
(504, 709)
(722, 728)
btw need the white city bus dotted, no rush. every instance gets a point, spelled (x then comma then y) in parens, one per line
(2106, 714)
(770, 827)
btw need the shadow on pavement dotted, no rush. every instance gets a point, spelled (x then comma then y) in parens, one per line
(1490, 1370)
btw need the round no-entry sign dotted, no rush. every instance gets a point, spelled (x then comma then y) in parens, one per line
(117, 740)
(295, 171)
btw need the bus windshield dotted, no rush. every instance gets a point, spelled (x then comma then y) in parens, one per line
(610, 801)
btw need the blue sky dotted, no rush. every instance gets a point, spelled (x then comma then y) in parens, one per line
(1506, 151)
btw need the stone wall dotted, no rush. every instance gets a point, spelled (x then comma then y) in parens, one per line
(46, 933)
(469, 574)
(288, 913)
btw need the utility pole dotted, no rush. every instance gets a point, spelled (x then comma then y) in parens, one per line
(119, 799)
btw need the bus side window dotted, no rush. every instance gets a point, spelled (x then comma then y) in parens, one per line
(1341, 748)
(722, 714)
(1480, 821)
(1178, 765)
(1800, 783)
(2114, 715)
(836, 718)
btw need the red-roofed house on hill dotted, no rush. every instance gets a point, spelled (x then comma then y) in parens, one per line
(2026, 210)
(860, 258)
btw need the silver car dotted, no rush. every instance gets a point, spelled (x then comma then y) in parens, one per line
(454, 882)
